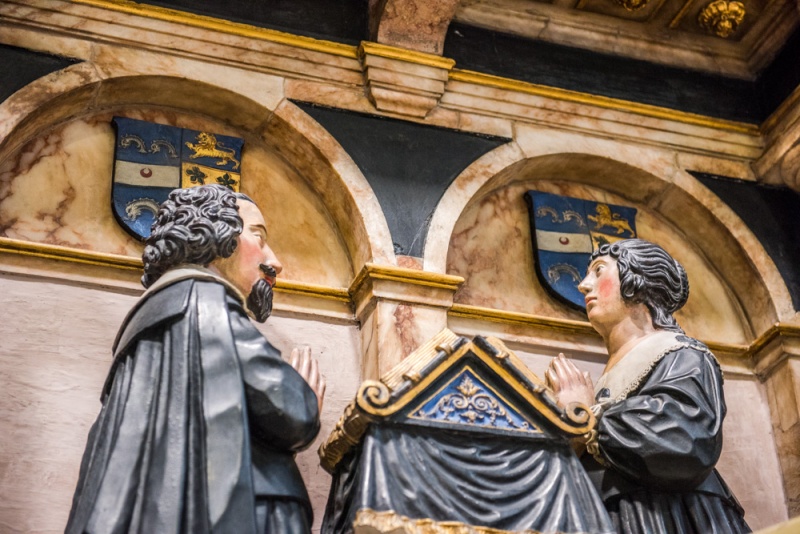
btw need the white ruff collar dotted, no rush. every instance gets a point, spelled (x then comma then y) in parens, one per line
(635, 366)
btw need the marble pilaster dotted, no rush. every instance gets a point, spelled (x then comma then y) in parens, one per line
(777, 362)
(403, 81)
(399, 309)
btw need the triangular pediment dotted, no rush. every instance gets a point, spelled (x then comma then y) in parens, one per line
(467, 400)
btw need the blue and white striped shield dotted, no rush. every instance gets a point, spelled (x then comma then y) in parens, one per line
(150, 160)
(565, 231)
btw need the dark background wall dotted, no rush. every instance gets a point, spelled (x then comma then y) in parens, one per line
(773, 215)
(19, 67)
(408, 165)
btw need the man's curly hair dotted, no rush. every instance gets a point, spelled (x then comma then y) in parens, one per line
(194, 225)
(649, 275)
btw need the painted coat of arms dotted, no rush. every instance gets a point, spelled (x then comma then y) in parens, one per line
(150, 160)
(565, 231)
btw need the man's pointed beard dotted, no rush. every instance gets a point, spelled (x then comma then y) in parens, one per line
(259, 301)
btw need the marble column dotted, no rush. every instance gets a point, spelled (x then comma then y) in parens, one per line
(777, 362)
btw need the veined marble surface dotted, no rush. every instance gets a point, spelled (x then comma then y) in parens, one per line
(57, 190)
(491, 248)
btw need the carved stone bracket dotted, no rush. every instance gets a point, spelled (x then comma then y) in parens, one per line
(403, 81)
(780, 160)
(790, 167)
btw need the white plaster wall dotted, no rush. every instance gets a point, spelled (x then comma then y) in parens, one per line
(55, 351)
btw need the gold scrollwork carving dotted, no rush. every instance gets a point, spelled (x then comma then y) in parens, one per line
(721, 17)
(373, 394)
(578, 413)
(346, 434)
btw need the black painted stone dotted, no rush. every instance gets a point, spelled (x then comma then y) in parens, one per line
(612, 76)
(773, 215)
(782, 76)
(344, 21)
(21, 67)
(408, 165)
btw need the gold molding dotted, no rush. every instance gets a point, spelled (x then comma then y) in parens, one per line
(291, 287)
(776, 331)
(353, 52)
(129, 263)
(489, 80)
(389, 521)
(786, 106)
(234, 28)
(70, 255)
(402, 54)
(373, 271)
(493, 315)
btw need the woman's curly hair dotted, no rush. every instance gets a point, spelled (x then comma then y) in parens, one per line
(649, 275)
(194, 225)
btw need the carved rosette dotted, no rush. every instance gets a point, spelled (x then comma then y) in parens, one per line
(632, 5)
(721, 17)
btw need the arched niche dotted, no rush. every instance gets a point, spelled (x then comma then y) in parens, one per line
(736, 293)
(57, 159)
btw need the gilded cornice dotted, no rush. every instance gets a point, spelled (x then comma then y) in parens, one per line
(776, 331)
(604, 102)
(582, 328)
(373, 271)
(402, 54)
(783, 110)
(69, 255)
(420, 58)
(128, 263)
(216, 24)
(773, 347)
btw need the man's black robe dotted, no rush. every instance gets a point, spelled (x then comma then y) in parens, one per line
(658, 448)
(199, 425)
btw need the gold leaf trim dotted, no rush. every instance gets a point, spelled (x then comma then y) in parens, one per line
(390, 522)
(605, 102)
(129, 263)
(234, 28)
(506, 317)
(402, 274)
(70, 255)
(403, 54)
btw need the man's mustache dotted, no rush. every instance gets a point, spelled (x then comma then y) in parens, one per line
(268, 270)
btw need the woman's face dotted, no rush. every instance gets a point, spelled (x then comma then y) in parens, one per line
(600, 287)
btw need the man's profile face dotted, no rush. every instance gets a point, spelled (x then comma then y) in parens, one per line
(245, 268)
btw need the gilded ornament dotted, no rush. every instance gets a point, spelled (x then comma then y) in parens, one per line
(632, 5)
(722, 18)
